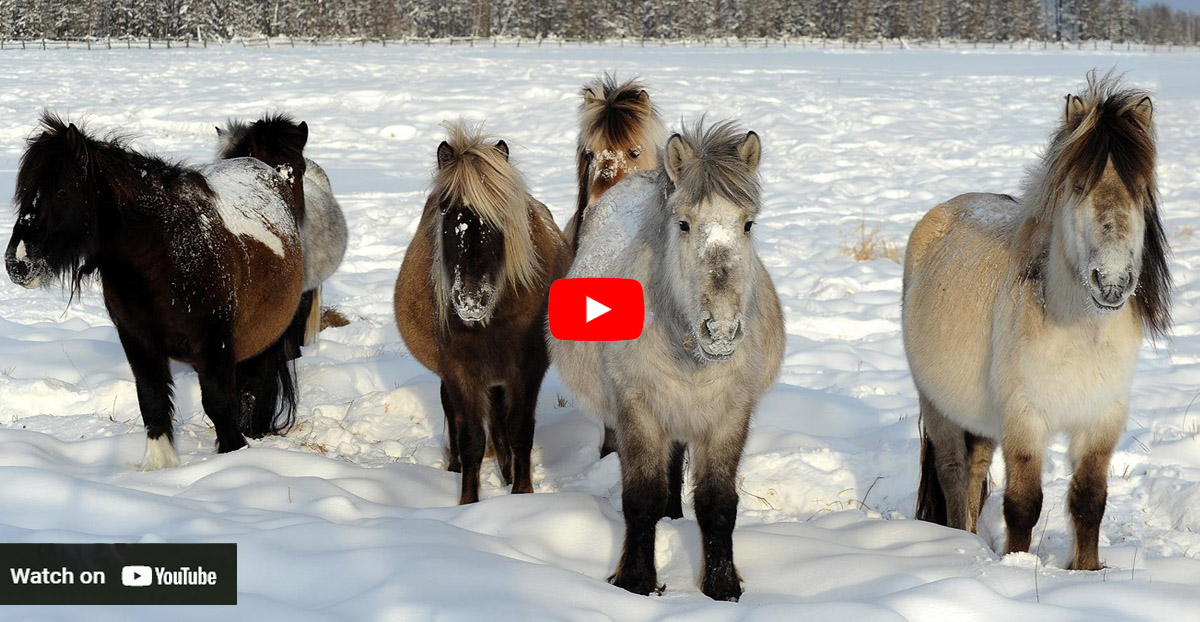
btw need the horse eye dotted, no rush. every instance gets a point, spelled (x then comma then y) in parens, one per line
(635, 153)
(684, 226)
(588, 153)
(749, 223)
(1078, 188)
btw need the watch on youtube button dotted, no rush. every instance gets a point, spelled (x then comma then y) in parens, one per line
(596, 309)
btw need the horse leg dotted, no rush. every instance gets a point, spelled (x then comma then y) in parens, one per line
(979, 459)
(1024, 445)
(675, 481)
(522, 419)
(498, 433)
(453, 461)
(643, 444)
(219, 396)
(1090, 451)
(716, 498)
(609, 444)
(312, 325)
(295, 332)
(470, 409)
(152, 376)
(946, 441)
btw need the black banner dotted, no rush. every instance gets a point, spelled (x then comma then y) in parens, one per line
(118, 574)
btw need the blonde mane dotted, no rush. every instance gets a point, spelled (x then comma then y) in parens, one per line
(479, 176)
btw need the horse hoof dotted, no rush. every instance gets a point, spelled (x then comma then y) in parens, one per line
(728, 591)
(160, 454)
(454, 466)
(234, 444)
(644, 585)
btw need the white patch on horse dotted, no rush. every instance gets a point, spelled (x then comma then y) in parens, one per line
(21, 254)
(160, 454)
(247, 205)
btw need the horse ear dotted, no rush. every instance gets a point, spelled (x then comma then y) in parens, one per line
(678, 154)
(750, 151)
(1074, 111)
(220, 133)
(502, 147)
(445, 154)
(303, 133)
(76, 142)
(643, 96)
(1143, 113)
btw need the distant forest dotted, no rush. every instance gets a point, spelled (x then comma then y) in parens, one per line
(854, 20)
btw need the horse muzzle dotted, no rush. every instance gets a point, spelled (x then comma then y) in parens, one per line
(23, 272)
(1109, 290)
(718, 339)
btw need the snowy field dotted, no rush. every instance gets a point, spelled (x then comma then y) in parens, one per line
(352, 517)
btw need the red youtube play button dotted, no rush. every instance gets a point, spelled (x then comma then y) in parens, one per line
(596, 309)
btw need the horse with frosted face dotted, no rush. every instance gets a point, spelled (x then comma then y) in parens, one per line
(620, 133)
(279, 141)
(698, 370)
(200, 265)
(1023, 319)
(470, 303)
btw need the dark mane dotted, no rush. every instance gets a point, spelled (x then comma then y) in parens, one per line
(276, 135)
(615, 112)
(1110, 122)
(276, 139)
(63, 154)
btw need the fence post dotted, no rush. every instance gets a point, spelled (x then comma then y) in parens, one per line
(43, 43)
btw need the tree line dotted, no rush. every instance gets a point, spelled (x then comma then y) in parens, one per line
(855, 20)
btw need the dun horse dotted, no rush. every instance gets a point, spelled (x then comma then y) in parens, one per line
(1024, 318)
(471, 299)
(279, 141)
(620, 132)
(200, 265)
(715, 345)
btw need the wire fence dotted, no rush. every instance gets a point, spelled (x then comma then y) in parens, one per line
(109, 43)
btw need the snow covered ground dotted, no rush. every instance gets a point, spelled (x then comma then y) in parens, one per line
(351, 517)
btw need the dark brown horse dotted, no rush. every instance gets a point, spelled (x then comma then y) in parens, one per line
(200, 265)
(471, 303)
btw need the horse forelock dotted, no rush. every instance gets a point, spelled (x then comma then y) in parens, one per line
(275, 136)
(618, 116)
(479, 177)
(717, 170)
(1110, 126)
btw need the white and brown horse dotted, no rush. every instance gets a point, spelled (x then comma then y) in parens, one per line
(1023, 319)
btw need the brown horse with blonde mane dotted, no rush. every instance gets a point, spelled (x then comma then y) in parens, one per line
(471, 299)
(1023, 318)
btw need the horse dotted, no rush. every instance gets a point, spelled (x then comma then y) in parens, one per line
(279, 141)
(471, 301)
(713, 348)
(198, 264)
(1023, 318)
(620, 132)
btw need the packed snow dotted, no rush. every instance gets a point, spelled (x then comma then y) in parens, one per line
(352, 517)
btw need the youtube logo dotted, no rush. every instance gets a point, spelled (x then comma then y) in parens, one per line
(596, 309)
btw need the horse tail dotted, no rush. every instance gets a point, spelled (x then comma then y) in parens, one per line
(267, 383)
(931, 499)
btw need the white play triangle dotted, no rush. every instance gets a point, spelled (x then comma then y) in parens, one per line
(594, 309)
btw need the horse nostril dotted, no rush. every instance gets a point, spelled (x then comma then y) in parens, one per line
(1096, 278)
(18, 269)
